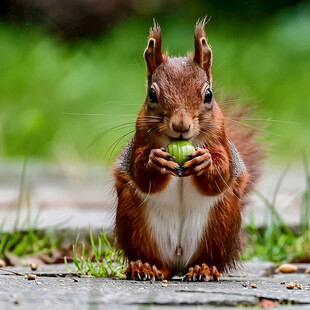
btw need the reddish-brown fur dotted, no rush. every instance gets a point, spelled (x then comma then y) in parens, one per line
(180, 110)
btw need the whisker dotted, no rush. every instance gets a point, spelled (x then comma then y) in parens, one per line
(105, 114)
(231, 101)
(150, 117)
(261, 119)
(119, 127)
(147, 122)
(256, 128)
(139, 125)
(114, 145)
(203, 135)
(212, 125)
(208, 125)
(143, 125)
(150, 120)
(113, 129)
(226, 184)
(84, 114)
(260, 131)
(217, 186)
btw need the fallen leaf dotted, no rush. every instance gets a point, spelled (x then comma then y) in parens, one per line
(23, 260)
(266, 303)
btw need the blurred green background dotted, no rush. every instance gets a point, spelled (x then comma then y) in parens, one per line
(67, 79)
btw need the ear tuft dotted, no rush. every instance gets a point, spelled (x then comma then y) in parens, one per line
(200, 28)
(153, 54)
(155, 32)
(203, 53)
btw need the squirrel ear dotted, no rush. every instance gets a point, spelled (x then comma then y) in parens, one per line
(203, 53)
(153, 54)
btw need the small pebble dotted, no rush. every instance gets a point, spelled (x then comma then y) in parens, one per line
(308, 270)
(291, 285)
(16, 301)
(164, 284)
(287, 268)
(2, 263)
(33, 266)
(61, 281)
(282, 282)
(165, 281)
(30, 276)
(253, 285)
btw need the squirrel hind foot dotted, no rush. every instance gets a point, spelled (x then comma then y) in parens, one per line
(202, 273)
(136, 270)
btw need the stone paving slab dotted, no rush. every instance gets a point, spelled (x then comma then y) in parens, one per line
(62, 290)
(71, 293)
(245, 270)
(83, 195)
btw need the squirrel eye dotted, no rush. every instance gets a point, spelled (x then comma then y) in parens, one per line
(208, 96)
(152, 95)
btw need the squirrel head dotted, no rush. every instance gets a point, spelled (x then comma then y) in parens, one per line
(179, 102)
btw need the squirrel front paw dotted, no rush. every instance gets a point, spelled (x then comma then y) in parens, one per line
(199, 161)
(163, 162)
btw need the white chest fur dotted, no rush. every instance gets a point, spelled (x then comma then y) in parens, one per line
(177, 217)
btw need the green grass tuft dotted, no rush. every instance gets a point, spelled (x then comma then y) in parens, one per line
(26, 239)
(30, 242)
(103, 261)
(276, 241)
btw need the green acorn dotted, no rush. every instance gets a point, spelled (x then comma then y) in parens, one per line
(179, 149)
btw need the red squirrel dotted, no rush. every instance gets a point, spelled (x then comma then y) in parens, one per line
(174, 219)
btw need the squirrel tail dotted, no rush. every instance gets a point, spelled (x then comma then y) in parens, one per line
(245, 138)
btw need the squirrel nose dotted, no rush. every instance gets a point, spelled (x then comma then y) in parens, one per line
(181, 127)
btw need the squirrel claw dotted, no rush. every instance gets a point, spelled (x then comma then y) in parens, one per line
(199, 161)
(162, 162)
(145, 276)
(180, 174)
(215, 273)
(179, 171)
(202, 273)
(142, 272)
